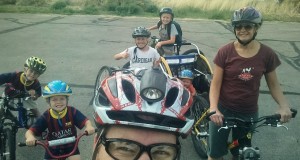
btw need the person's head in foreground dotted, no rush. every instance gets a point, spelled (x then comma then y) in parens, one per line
(141, 117)
(246, 21)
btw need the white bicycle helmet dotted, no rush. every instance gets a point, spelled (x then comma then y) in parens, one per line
(150, 100)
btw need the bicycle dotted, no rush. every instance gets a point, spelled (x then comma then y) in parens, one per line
(195, 61)
(46, 144)
(9, 124)
(249, 152)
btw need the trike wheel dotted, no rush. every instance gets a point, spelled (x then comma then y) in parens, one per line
(200, 128)
(9, 145)
(192, 51)
(103, 73)
(165, 66)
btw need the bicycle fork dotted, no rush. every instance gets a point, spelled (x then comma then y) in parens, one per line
(201, 134)
(245, 152)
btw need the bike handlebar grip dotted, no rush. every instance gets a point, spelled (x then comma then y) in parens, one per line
(21, 144)
(294, 112)
(209, 114)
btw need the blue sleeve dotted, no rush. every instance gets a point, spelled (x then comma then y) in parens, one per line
(40, 125)
(7, 77)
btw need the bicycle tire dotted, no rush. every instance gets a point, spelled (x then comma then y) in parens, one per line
(103, 73)
(9, 149)
(165, 66)
(200, 143)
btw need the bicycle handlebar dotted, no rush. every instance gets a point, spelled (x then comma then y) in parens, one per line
(58, 142)
(271, 120)
(274, 117)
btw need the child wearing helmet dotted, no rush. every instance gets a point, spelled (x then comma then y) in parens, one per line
(165, 46)
(61, 120)
(187, 76)
(18, 84)
(141, 55)
(234, 91)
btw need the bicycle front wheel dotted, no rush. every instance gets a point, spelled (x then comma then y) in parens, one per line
(103, 73)
(9, 144)
(200, 129)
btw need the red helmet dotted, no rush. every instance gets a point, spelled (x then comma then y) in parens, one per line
(149, 99)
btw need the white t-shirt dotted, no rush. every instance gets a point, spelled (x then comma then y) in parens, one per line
(163, 33)
(142, 59)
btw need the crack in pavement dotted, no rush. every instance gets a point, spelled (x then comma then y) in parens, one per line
(28, 25)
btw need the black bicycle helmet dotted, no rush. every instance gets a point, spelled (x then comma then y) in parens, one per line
(246, 14)
(141, 32)
(166, 10)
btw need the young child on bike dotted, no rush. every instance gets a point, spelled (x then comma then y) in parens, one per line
(141, 55)
(164, 47)
(187, 76)
(60, 120)
(18, 84)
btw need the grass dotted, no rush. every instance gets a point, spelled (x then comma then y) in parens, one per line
(288, 10)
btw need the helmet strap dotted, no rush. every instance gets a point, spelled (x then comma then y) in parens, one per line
(142, 47)
(24, 80)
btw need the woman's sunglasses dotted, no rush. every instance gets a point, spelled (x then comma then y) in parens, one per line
(247, 26)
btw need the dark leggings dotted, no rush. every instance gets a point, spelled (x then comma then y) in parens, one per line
(218, 141)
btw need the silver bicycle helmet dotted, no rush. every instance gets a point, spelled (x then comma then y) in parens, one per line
(141, 32)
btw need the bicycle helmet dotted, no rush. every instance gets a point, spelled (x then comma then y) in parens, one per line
(141, 32)
(55, 88)
(246, 14)
(151, 100)
(36, 64)
(186, 74)
(166, 10)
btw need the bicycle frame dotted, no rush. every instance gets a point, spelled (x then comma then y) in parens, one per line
(195, 126)
(22, 118)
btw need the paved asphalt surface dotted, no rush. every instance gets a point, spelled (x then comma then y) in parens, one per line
(75, 47)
